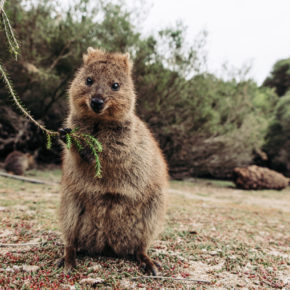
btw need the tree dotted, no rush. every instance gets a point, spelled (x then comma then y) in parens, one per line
(205, 125)
(279, 78)
(278, 137)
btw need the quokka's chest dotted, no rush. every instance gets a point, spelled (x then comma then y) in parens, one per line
(112, 210)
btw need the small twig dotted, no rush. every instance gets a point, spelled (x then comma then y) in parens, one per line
(26, 179)
(57, 60)
(2, 245)
(19, 245)
(17, 102)
(9, 30)
(2, 5)
(61, 55)
(267, 282)
(171, 278)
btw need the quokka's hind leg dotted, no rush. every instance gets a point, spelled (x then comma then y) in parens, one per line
(69, 258)
(151, 267)
(60, 262)
(68, 261)
(71, 223)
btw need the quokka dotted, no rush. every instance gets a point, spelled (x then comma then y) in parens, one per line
(121, 212)
(17, 162)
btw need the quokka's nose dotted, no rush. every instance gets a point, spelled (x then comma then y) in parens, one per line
(97, 103)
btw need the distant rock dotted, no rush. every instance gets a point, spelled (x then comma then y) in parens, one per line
(255, 177)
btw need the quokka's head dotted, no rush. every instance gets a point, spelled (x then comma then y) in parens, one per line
(103, 87)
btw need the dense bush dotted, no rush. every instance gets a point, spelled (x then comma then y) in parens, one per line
(205, 125)
(279, 78)
(277, 140)
(278, 137)
(213, 126)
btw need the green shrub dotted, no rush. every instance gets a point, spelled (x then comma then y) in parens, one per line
(205, 125)
(279, 78)
(278, 137)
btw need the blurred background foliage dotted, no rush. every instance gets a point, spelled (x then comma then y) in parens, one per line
(206, 125)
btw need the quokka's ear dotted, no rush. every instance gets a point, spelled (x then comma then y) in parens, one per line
(91, 50)
(92, 53)
(127, 61)
(85, 58)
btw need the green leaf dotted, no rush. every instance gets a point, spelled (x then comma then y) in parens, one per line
(95, 147)
(95, 142)
(48, 141)
(68, 141)
(77, 142)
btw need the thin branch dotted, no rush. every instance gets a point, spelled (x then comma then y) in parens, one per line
(14, 47)
(10, 30)
(52, 101)
(26, 179)
(19, 105)
(19, 245)
(5, 141)
(55, 97)
(2, 3)
(61, 56)
(171, 278)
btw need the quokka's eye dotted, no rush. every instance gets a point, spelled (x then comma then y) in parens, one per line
(115, 87)
(89, 81)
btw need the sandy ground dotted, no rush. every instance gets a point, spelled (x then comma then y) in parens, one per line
(215, 236)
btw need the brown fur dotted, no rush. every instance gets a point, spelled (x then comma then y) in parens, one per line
(17, 162)
(123, 211)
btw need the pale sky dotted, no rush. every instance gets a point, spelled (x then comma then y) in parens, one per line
(240, 31)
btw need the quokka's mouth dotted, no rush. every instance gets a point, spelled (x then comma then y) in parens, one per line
(97, 104)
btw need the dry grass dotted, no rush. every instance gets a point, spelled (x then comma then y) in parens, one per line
(214, 232)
